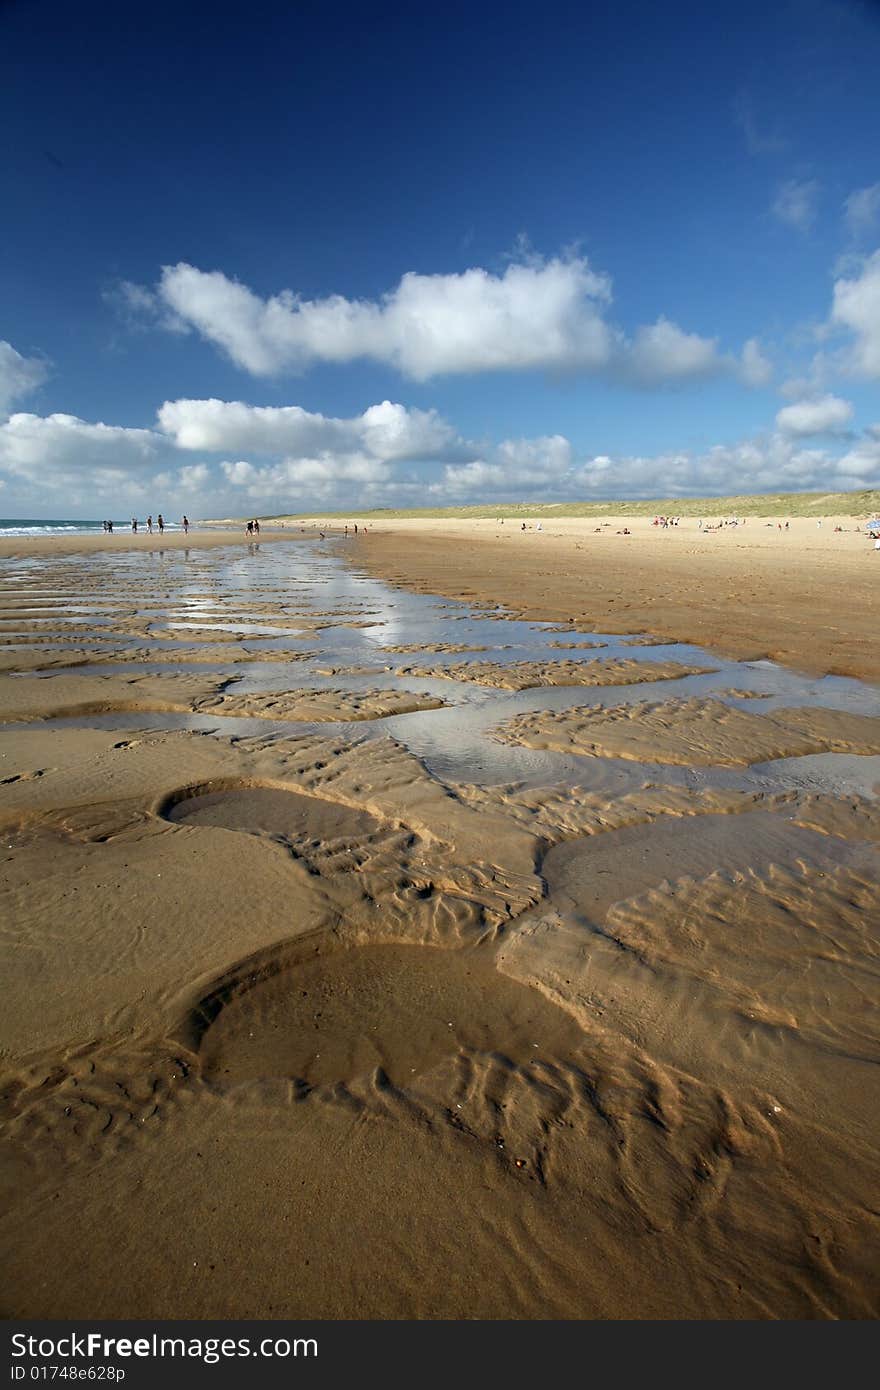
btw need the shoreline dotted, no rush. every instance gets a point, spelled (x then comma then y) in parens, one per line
(528, 1017)
(29, 547)
(749, 592)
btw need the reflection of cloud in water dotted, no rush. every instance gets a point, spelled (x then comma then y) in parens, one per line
(182, 590)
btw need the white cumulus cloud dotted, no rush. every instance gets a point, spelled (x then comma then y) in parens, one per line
(767, 463)
(533, 464)
(239, 473)
(35, 442)
(764, 464)
(300, 482)
(856, 307)
(825, 415)
(539, 314)
(386, 430)
(193, 476)
(533, 315)
(18, 375)
(216, 457)
(664, 352)
(44, 456)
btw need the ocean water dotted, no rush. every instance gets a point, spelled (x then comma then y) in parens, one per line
(43, 526)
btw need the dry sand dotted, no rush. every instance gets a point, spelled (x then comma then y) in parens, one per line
(293, 1029)
(806, 597)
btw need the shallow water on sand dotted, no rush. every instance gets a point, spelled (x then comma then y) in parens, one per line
(347, 626)
(550, 1001)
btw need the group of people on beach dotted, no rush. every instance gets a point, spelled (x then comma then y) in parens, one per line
(160, 524)
(252, 528)
(719, 525)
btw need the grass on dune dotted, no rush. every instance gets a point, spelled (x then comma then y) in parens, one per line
(789, 504)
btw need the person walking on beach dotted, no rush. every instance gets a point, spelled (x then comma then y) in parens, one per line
(185, 525)
(149, 525)
(134, 525)
(161, 524)
(249, 529)
(256, 527)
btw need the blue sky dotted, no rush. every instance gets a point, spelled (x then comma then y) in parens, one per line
(277, 256)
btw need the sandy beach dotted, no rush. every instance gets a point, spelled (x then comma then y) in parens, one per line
(439, 684)
(373, 951)
(805, 596)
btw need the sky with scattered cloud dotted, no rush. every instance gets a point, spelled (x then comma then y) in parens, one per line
(470, 255)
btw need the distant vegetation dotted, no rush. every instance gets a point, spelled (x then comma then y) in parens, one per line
(816, 504)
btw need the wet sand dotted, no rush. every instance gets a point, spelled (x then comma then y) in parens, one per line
(695, 733)
(48, 547)
(805, 597)
(297, 1027)
(531, 675)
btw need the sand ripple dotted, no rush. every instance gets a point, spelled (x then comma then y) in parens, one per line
(526, 675)
(695, 732)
